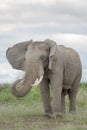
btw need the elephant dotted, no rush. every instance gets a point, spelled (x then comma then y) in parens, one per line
(51, 66)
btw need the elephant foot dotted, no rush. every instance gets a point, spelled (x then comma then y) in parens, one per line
(57, 115)
(48, 115)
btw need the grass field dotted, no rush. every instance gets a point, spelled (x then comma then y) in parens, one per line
(27, 113)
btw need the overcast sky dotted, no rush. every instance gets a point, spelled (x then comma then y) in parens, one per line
(64, 21)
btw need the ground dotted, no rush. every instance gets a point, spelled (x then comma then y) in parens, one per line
(27, 113)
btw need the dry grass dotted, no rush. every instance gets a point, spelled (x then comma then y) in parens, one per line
(18, 114)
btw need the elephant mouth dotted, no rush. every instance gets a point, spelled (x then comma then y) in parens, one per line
(37, 81)
(20, 82)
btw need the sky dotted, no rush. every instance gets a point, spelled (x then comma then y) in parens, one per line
(64, 21)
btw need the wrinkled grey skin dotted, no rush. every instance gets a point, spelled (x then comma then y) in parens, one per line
(16, 54)
(62, 70)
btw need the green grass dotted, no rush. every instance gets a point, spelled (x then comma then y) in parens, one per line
(27, 113)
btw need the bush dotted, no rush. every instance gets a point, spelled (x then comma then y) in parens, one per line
(7, 97)
(31, 97)
(84, 85)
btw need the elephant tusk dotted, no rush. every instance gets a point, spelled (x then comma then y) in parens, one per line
(37, 81)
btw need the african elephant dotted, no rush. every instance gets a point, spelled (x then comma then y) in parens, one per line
(48, 64)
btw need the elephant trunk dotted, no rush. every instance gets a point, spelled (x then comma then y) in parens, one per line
(19, 93)
(29, 80)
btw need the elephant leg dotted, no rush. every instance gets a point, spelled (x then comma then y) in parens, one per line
(56, 89)
(62, 102)
(45, 93)
(72, 97)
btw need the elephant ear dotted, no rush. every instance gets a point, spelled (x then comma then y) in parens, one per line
(52, 47)
(16, 54)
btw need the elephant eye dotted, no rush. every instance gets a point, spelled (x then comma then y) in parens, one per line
(43, 58)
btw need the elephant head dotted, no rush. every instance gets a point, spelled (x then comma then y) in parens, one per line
(37, 57)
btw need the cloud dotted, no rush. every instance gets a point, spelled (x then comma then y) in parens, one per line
(63, 21)
(7, 74)
(5, 29)
(42, 16)
(78, 42)
(44, 11)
